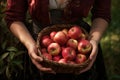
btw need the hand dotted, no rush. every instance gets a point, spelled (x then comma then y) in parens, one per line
(92, 56)
(33, 53)
(21, 32)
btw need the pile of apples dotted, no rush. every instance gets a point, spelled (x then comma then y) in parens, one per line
(67, 46)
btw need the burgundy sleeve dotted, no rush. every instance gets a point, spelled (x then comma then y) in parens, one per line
(15, 11)
(102, 9)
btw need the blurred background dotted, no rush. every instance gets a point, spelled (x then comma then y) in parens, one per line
(11, 62)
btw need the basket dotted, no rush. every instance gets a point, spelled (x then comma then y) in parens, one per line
(59, 67)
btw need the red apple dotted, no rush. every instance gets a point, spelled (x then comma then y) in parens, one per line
(68, 53)
(71, 62)
(72, 43)
(60, 37)
(63, 47)
(56, 58)
(80, 58)
(47, 56)
(54, 49)
(44, 50)
(84, 46)
(74, 32)
(65, 31)
(83, 36)
(63, 61)
(46, 41)
(52, 34)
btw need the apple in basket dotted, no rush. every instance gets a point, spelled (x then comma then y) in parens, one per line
(43, 50)
(65, 31)
(52, 34)
(46, 40)
(83, 36)
(80, 58)
(60, 37)
(72, 43)
(71, 62)
(56, 58)
(68, 53)
(62, 60)
(47, 56)
(84, 46)
(54, 49)
(74, 32)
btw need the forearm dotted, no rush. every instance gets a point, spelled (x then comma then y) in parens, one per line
(22, 33)
(99, 26)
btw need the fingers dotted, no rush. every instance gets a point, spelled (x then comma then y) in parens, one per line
(93, 53)
(36, 61)
(35, 57)
(86, 69)
(92, 56)
(89, 66)
(94, 49)
(43, 69)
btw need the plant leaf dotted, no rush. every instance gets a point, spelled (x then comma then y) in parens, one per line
(4, 55)
(4, 45)
(12, 49)
(18, 63)
(12, 54)
(19, 53)
(8, 72)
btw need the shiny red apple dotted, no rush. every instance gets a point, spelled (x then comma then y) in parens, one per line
(84, 46)
(65, 31)
(60, 37)
(46, 41)
(83, 36)
(80, 58)
(75, 32)
(63, 61)
(47, 56)
(56, 58)
(71, 62)
(54, 49)
(72, 43)
(68, 53)
(44, 50)
(52, 34)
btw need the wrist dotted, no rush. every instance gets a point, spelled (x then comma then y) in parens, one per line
(95, 36)
(29, 44)
(95, 41)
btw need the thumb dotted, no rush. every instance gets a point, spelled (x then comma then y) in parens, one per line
(94, 50)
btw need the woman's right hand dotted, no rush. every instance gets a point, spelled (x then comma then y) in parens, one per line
(21, 32)
(36, 59)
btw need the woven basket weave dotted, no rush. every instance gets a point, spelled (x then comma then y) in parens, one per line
(59, 67)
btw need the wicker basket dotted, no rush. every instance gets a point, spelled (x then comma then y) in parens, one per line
(59, 67)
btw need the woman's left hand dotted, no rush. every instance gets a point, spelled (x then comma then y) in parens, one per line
(92, 56)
